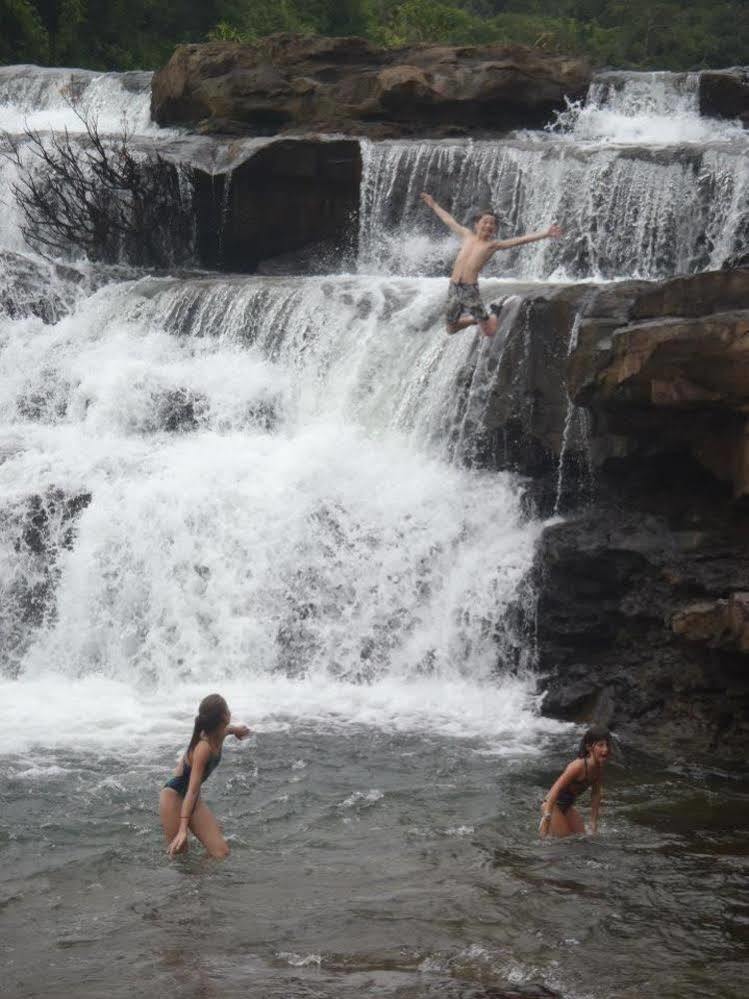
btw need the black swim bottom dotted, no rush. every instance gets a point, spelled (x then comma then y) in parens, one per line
(178, 784)
(464, 299)
(565, 801)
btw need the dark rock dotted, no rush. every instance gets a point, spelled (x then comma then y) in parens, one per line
(576, 701)
(725, 93)
(665, 371)
(642, 614)
(290, 196)
(323, 257)
(719, 623)
(512, 411)
(617, 641)
(740, 259)
(697, 295)
(345, 85)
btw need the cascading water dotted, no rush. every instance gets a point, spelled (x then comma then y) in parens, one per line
(265, 486)
(615, 172)
(57, 99)
(246, 448)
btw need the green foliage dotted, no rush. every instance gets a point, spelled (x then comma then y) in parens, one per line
(127, 34)
(418, 21)
(23, 37)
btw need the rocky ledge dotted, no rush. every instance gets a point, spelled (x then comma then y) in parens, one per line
(725, 93)
(291, 83)
(643, 611)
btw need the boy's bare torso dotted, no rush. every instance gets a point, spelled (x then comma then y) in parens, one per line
(472, 257)
(477, 247)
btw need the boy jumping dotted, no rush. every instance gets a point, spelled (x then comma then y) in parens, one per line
(464, 305)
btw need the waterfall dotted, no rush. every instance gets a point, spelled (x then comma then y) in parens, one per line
(259, 494)
(46, 98)
(270, 484)
(614, 172)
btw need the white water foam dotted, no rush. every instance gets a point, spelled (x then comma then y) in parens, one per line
(645, 109)
(292, 542)
(54, 99)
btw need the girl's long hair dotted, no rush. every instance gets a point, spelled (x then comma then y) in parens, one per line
(595, 734)
(212, 711)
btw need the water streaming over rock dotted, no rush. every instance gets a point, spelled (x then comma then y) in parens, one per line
(245, 447)
(615, 172)
(48, 98)
(247, 479)
(273, 487)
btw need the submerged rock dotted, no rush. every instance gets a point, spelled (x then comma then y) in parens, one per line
(301, 83)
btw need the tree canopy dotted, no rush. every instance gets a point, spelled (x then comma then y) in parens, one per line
(141, 34)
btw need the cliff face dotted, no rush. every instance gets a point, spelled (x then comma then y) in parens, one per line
(301, 84)
(293, 196)
(643, 613)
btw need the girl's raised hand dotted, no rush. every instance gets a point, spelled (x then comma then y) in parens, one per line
(241, 732)
(177, 843)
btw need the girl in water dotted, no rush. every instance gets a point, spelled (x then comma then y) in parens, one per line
(180, 806)
(559, 817)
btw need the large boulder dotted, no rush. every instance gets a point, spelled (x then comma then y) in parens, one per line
(301, 84)
(643, 623)
(669, 374)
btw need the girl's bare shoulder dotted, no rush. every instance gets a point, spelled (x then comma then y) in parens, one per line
(576, 768)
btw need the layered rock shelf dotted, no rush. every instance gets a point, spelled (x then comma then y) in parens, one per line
(290, 83)
(642, 614)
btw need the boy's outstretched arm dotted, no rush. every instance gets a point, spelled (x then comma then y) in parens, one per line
(445, 216)
(551, 233)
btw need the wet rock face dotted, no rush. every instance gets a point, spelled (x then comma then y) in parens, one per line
(642, 625)
(522, 425)
(669, 374)
(643, 613)
(725, 94)
(610, 380)
(296, 83)
(291, 195)
(717, 623)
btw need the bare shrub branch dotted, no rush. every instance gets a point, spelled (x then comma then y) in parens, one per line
(93, 193)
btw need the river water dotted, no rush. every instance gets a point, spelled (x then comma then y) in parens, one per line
(251, 485)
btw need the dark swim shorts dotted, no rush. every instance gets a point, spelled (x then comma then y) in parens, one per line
(462, 299)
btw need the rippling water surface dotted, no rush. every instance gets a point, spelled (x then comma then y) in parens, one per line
(366, 860)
